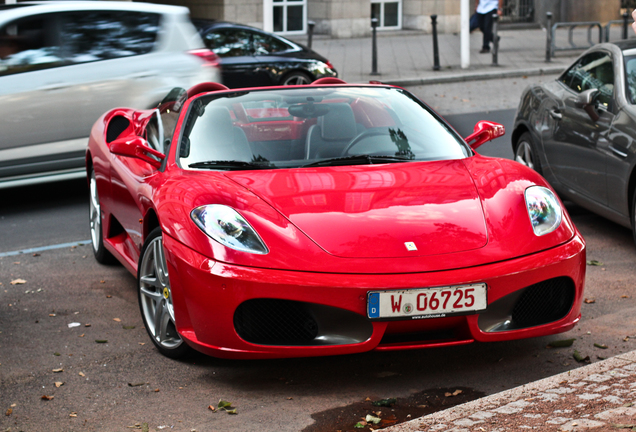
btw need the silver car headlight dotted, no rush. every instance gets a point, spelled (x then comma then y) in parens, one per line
(228, 227)
(544, 210)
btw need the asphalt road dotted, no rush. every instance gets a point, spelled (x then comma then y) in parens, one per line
(124, 382)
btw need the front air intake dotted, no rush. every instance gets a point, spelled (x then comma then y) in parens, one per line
(544, 302)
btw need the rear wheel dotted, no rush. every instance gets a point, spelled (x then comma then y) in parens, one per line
(526, 153)
(296, 78)
(95, 217)
(155, 298)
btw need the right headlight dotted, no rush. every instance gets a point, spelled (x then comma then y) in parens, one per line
(544, 210)
(228, 227)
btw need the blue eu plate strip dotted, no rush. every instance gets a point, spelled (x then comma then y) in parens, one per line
(373, 305)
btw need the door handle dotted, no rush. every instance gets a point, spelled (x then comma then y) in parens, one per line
(556, 114)
(55, 87)
(618, 152)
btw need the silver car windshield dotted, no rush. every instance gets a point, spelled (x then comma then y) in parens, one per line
(322, 126)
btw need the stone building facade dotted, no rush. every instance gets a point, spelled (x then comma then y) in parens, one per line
(351, 18)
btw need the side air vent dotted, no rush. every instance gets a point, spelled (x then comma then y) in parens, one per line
(116, 126)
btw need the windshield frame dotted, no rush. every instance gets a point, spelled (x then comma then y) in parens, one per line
(209, 97)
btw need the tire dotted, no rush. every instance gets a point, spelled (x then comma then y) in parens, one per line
(95, 218)
(155, 298)
(634, 216)
(296, 78)
(526, 153)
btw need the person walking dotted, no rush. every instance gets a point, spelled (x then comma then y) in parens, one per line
(484, 12)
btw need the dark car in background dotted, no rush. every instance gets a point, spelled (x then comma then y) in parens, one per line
(579, 131)
(252, 58)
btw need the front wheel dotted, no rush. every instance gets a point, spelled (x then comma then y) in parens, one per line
(526, 153)
(155, 298)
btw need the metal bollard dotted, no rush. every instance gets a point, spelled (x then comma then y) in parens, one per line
(310, 33)
(625, 24)
(435, 43)
(374, 53)
(495, 39)
(548, 27)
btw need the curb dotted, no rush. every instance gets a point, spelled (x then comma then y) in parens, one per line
(474, 76)
(442, 420)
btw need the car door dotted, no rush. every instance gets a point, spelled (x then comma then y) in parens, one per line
(33, 86)
(576, 151)
(269, 52)
(110, 60)
(239, 67)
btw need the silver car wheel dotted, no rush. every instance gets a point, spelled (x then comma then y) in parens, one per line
(94, 214)
(524, 154)
(297, 79)
(156, 298)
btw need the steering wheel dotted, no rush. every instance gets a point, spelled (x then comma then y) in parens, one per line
(362, 136)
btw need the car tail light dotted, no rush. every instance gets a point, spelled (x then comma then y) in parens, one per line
(211, 59)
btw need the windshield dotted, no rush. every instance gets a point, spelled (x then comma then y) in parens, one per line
(301, 127)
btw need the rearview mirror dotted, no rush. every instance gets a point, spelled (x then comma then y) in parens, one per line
(137, 147)
(485, 131)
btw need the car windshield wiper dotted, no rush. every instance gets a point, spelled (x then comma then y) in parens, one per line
(357, 160)
(232, 165)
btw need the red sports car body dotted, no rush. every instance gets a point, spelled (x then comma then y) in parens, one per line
(326, 219)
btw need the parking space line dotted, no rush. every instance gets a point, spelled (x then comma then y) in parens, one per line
(44, 248)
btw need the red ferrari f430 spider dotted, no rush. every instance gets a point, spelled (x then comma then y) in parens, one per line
(325, 219)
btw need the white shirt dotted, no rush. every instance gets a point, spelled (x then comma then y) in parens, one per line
(486, 6)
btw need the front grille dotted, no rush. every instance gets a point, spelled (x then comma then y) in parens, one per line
(275, 322)
(543, 302)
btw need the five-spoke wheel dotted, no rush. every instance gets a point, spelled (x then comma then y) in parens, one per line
(155, 298)
(525, 153)
(95, 218)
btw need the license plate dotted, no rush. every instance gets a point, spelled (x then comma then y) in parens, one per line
(427, 302)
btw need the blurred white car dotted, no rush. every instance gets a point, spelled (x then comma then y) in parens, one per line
(63, 64)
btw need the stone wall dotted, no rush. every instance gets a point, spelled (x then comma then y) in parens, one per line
(417, 15)
(340, 18)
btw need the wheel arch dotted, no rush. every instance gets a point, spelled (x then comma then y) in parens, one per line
(631, 188)
(150, 222)
(516, 134)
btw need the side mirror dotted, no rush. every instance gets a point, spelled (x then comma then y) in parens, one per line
(485, 131)
(137, 147)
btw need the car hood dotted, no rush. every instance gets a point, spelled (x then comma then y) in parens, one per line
(378, 211)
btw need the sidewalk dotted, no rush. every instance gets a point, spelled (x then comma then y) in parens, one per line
(406, 57)
(597, 397)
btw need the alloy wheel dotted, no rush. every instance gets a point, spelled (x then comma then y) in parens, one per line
(156, 298)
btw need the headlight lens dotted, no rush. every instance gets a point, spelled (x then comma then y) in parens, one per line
(228, 227)
(544, 210)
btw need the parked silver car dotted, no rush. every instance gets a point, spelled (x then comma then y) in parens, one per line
(63, 64)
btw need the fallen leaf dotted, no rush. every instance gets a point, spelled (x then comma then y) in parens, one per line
(290, 398)
(589, 300)
(626, 338)
(579, 358)
(136, 384)
(82, 374)
(628, 405)
(142, 343)
(601, 358)
(455, 393)
(231, 411)
(384, 402)
(594, 263)
(367, 399)
(58, 370)
(372, 419)
(227, 406)
(18, 282)
(101, 341)
(9, 411)
(59, 384)
(73, 414)
(128, 327)
(82, 335)
(624, 296)
(36, 255)
(156, 390)
(601, 346)
(117, 319)
(102, 281)
(561, 343)
(45, 397)
(109, 296)
(359, 425)
(87, 325)
(57, 354)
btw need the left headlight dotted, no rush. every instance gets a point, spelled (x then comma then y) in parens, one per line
(544, 210)
(228, 227)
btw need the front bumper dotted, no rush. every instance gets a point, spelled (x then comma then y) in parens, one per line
(206, 296)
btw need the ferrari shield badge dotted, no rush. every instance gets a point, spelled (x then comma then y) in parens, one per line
(410, 246)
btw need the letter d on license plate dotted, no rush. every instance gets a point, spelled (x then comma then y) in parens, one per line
(427, 302)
